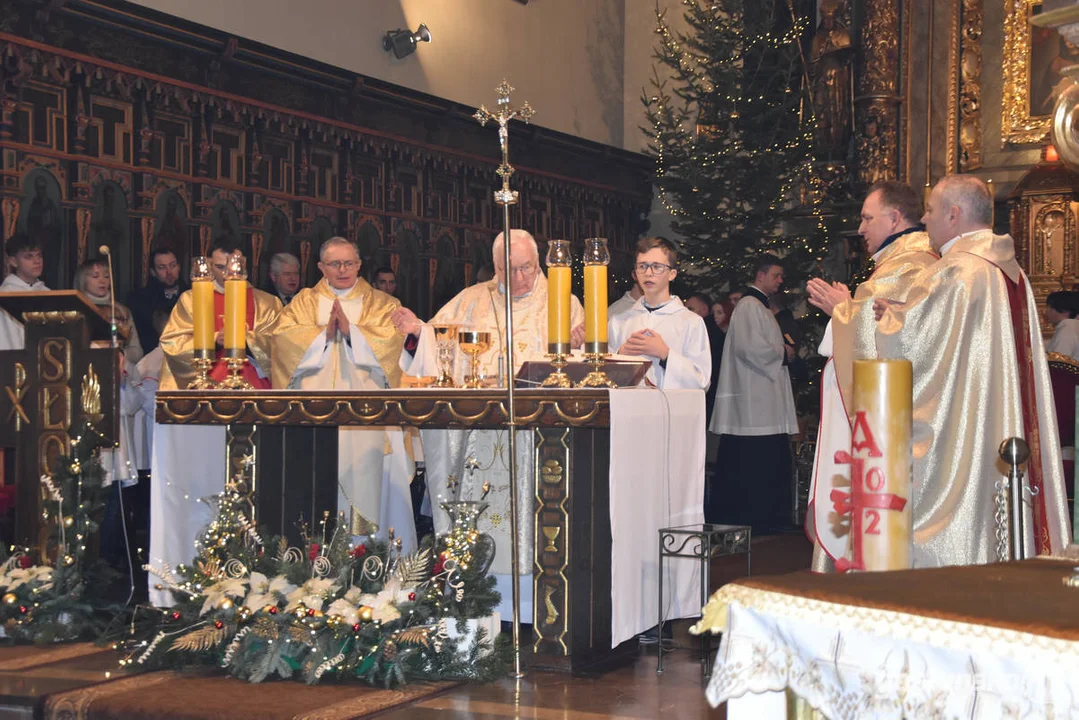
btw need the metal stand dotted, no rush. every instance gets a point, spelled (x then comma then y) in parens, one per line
(701, 543)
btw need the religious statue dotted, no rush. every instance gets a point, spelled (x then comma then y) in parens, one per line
(872, 152)
(830, 58)
(43, 224)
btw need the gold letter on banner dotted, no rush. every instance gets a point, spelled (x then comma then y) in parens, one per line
(16, 395)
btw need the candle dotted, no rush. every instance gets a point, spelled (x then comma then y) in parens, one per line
(595, 304)
(559, 280)
(236, 316)
(882, 524)
(202, 295)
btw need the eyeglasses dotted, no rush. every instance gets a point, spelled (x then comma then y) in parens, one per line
(340, 265)
(652, 268)
(526, 269)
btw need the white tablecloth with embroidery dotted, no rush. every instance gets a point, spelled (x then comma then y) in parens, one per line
(857, 662)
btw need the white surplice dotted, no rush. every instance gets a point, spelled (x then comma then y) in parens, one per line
(1065, 339)
(620, 305)
(754, 396)
(689, 363)
(12, 336)
(374, 469)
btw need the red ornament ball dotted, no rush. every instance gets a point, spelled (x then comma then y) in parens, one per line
(356, 627)
(23, 609)
(25, 561)
(218, 624)
(273, 610)
(175, 615)
(310, 612)
(411, 596)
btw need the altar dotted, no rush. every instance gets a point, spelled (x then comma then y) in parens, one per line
(612, 467)
(982, 641)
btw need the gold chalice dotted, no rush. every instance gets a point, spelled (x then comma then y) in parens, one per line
(474, 343)
(445, 339)
(551, 533)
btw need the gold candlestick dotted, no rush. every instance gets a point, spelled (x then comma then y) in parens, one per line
(202, 361)
(597, 378)
(235, 379)
(474, 343)
(445, 336)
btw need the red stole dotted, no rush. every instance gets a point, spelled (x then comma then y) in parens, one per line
(1017, 299)
(220, 369)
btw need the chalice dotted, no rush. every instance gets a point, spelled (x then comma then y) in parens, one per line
(474, 343)
(445, 337)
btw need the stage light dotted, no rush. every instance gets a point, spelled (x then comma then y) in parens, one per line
(402, 43)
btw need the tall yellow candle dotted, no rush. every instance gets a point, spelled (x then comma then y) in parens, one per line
(882, 523)
(236, 316)
(559, 281)
(595, 304)
(202, 295)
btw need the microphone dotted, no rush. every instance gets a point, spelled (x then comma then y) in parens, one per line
(104, 250)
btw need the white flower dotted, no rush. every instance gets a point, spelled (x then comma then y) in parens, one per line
(37, 574)
(230, 587)
(348, 611)
(353, 595)
(312, 593)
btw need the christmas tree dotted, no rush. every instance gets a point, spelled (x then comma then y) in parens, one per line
(731, 133)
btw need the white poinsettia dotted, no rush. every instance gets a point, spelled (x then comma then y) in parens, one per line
(348, 611)
(267, 592)
(312, 593)
(353, 595)
(384, 603)
(227, 588)
(34, 575)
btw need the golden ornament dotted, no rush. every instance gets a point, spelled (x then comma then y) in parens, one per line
(69, 521)
(366, 613)
(225, 604)
(76, 467)
(10, 599)
(68, 560)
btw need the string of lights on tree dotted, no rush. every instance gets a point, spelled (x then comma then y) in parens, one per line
(731, 132)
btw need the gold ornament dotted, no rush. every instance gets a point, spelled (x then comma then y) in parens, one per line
(76, 467)
(69, 521)
(10, 599)
(366, 613)
(68, 560)
(225, 604)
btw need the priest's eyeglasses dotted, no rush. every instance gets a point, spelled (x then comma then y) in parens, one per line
(340, 265)
(652, 268)
(526, 269)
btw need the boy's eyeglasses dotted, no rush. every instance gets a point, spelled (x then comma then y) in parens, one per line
(652, 268)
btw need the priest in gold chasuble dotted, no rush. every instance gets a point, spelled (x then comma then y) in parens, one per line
(900, 250)
(969, 326)
(338, 336)
(189, 461)
(459, 461)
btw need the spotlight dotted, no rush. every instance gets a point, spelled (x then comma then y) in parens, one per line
(403, 42)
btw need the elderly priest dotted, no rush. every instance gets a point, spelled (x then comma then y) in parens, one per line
(338, 336)
(455, 454)
(189, 460)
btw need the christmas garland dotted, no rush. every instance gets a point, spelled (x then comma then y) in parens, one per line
(335, 608)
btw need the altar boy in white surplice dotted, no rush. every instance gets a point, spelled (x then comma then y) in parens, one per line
(338, 336)
(25, 264)
(659, 327)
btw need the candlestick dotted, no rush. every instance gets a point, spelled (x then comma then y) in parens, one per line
(236, 321)
(881, 457)
(596, 259)
(559, 281)
(202, 318)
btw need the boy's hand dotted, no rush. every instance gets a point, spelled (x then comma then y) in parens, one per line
(646, 342)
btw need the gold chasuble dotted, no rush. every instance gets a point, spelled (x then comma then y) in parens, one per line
(178, 337)
(298, 327)
(374, 468)
(852, 331)
(969, 326)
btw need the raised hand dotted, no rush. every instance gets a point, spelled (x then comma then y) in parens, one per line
(405, 321)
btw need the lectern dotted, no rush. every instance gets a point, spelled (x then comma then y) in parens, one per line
(67, 361)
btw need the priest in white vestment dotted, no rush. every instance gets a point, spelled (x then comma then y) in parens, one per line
(25, 265)
(482, 307)
(338, 336)
(900, 249)
(659, 327)
(189, 461)
(754, 414)
(970, 328)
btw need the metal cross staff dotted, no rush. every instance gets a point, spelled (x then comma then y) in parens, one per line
(506, 197)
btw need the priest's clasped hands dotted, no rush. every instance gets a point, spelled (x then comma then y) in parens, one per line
(825, 295)
(338, 322)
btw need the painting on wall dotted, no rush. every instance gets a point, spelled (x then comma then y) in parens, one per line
(1034, 58)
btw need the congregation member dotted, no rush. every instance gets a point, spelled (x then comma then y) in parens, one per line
(160, 294)
(338, 336)
(754, 413)
(969, 327)
(900, 250)
(1061, 308)
(703, 306)
(25, 265)
(659, 327)
(189, 460)
(385, 280)
(93, 280)
(482, 307)
(285, 276)
(629, 299)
